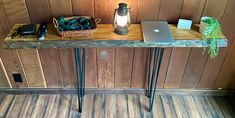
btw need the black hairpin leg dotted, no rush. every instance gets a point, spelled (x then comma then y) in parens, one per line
(156, 55)
(80, 69)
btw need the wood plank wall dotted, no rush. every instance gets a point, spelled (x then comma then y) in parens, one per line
(117, 67)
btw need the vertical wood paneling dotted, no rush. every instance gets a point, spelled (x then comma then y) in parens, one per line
(91, 68)
(9, 57)
(226, 78)
(86, 8)
(64, 74)
(4, 26)
(133, 4)
(123, 67)
(13, 65)
(67, 64)
(194, 68)
(39, 10)
(51, 67)
(83, 7)
(140, 64)
(170, 10)
(166, 13)
(105, 66)
(61, 8)
(16, 11)
(148, 10)
(32, 66)
(104, 10)
(211, 70)
(178, 61)
(192, 9)
(4, 80)
(164, 67)
(216, 9)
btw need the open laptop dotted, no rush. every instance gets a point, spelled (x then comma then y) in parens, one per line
(156, 32)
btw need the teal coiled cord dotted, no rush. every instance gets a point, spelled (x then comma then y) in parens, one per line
(81, 23)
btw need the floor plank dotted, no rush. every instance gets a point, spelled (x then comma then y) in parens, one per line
(122, 106)
(52, 106)
(98, 106)
(63, 109)
(40, 107)
(181, 111)
(26, 107)
(203, 107)
(110, 112)
(74, 108)
(16, 106)
(169, 107)
(216, 110)
(5, 105)
(190, 106)
(226, 106)
(158, 108)
(115, 106)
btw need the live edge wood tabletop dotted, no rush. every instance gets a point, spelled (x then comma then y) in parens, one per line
(105, 37)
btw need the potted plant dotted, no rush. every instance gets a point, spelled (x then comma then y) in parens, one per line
(212, 33)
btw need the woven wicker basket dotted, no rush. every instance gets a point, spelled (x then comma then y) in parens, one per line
(76, 33)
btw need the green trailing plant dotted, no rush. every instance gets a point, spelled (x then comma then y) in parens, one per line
(211, 36)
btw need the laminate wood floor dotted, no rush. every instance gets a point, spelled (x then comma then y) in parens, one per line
(115, 106)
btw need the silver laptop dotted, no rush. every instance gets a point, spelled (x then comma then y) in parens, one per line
(156, 32)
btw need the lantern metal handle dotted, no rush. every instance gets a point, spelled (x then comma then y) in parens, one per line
(129, 12)
(114, 19)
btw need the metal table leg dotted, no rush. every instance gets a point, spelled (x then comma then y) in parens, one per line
(156, 55)
(80, 70)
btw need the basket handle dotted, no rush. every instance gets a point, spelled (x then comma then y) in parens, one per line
(97, 21)
(55, 22)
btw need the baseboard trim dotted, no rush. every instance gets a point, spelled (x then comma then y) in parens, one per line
(185, 92)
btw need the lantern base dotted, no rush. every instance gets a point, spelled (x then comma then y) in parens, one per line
(121, 30)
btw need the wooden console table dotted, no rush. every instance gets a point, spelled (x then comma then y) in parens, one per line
(105, 37)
